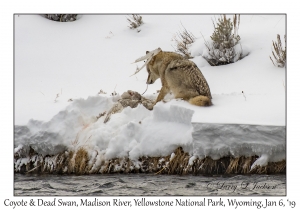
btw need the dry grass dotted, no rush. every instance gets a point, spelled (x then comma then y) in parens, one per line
(135, 21)
(183, 39)
(233, 165)
(179, 163)
(279, 53)
(60, 163)
(210, 166)
(77, 162)
(81, 160)
(247, 164)
(70, 161)
(240, 165)
(61, 17)
(164, 165)
(271, 168)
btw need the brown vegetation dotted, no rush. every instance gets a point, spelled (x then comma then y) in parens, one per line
(279, 53)
(135, 21)
(77, 162)
(183, 39)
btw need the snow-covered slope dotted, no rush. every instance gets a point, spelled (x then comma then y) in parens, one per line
(77, 59)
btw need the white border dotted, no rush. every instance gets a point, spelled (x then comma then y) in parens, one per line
(8, 8)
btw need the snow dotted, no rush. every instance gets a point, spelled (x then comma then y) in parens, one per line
(172, 156)
(191, 160)
(55, 62)
(132, 133)
(220, 140)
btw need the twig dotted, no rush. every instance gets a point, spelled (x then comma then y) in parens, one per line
(272, 61)
(165, 166)
(241, 54)
(101, 92)
(161, 170)
(101, 115)
(145, 90)
(208, 47)
(244, 95)
(86, 140)
(205, 42)
(114, 93)
(57, 95)
(33, 169)
(183, 39)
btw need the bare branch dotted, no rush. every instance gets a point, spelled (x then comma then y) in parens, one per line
(183, 39)
(135, 21)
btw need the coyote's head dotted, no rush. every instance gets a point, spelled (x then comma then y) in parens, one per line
(151, 75)
(148, 57)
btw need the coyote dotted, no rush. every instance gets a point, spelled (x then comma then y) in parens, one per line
(179, 75)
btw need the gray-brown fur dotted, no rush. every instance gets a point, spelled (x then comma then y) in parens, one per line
(194, 77)
(179, 75)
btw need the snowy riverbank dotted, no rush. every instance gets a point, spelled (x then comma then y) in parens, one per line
(60, 69)
(138, 132)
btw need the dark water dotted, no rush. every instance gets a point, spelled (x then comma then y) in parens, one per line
(147, 184)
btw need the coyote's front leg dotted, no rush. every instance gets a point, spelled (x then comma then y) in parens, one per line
(163, 92)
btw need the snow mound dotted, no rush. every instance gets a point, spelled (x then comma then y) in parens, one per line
(132, 133)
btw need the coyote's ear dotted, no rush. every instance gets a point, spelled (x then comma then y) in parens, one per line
(147, 52)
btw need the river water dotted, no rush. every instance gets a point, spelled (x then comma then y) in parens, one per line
(148, 185)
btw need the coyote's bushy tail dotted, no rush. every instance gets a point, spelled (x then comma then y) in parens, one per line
(201, 101)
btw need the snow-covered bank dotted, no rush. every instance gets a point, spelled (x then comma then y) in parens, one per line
(217, 141)
(138, 132)
(82, 162)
